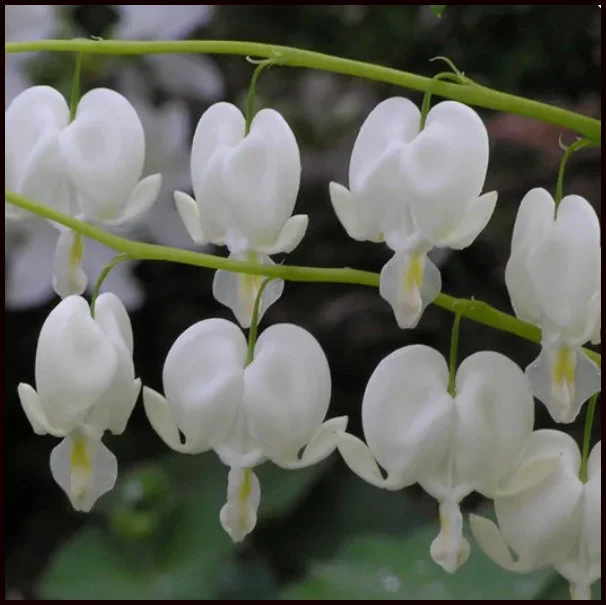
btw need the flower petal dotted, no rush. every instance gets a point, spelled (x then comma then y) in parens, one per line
(565, 270)
(450, 549)
(239, 514)
(116, 405)
(75, 363)
(542, 523)
(103, 150)
(84, 469)
(321, 445)
(407, 412)
(443, 169)
(390, 124)
(261, 178)
(563, 379)
(69, 278)
(220, 128)
(141, 199)
(287, 390)
(32, 124)
(495, 416)
(409, 283)
(535, 216)
(290, 236)
(471, 224)
(491, 541)
(359, 459)
(204, 380)
(32, 406)
(238, 291)
(190, 215)
(158, 412)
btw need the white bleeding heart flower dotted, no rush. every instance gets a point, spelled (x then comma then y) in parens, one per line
(554, 281)
(85, 385)
(88, 168)
(547, 515)
(245, 188)
(271, 408)
(416, 189)
(419, 433)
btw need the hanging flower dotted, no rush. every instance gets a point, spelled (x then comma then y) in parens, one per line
(88, 168)
(547, 515)
(416, 189)
(451, 445)
(271, 408)
(85, 385)
(554, 281)
(245, 188)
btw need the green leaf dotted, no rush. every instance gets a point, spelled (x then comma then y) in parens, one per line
(163, 538)
(438, 9)
(392, 568)
(559, 590)
(351, 506)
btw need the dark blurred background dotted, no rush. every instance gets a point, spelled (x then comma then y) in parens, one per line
(322, 532)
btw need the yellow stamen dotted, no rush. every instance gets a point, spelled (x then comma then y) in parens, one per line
(76, 251)
(79, 459)
(414, 275)
(564, 367)
(248, 286)
(246, 487)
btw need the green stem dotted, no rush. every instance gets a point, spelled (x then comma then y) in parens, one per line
(75, 97)
(250, 104)
(293, 57)
(254, 324)
(578, 144)
(104, 273)
(471, 309)
(425, 105)
(454, 348)
(587, 436)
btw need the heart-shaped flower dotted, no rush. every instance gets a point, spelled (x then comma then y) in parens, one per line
(270, 408)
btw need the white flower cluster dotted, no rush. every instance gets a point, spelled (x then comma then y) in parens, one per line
(414, 184)
(30, 244)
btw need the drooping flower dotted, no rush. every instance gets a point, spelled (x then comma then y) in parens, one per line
(554, 281)
(547, 515)
(245, 188)
(416, 189)
(270, 409)
(85, 385)
(88, 168)
(451, 445)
